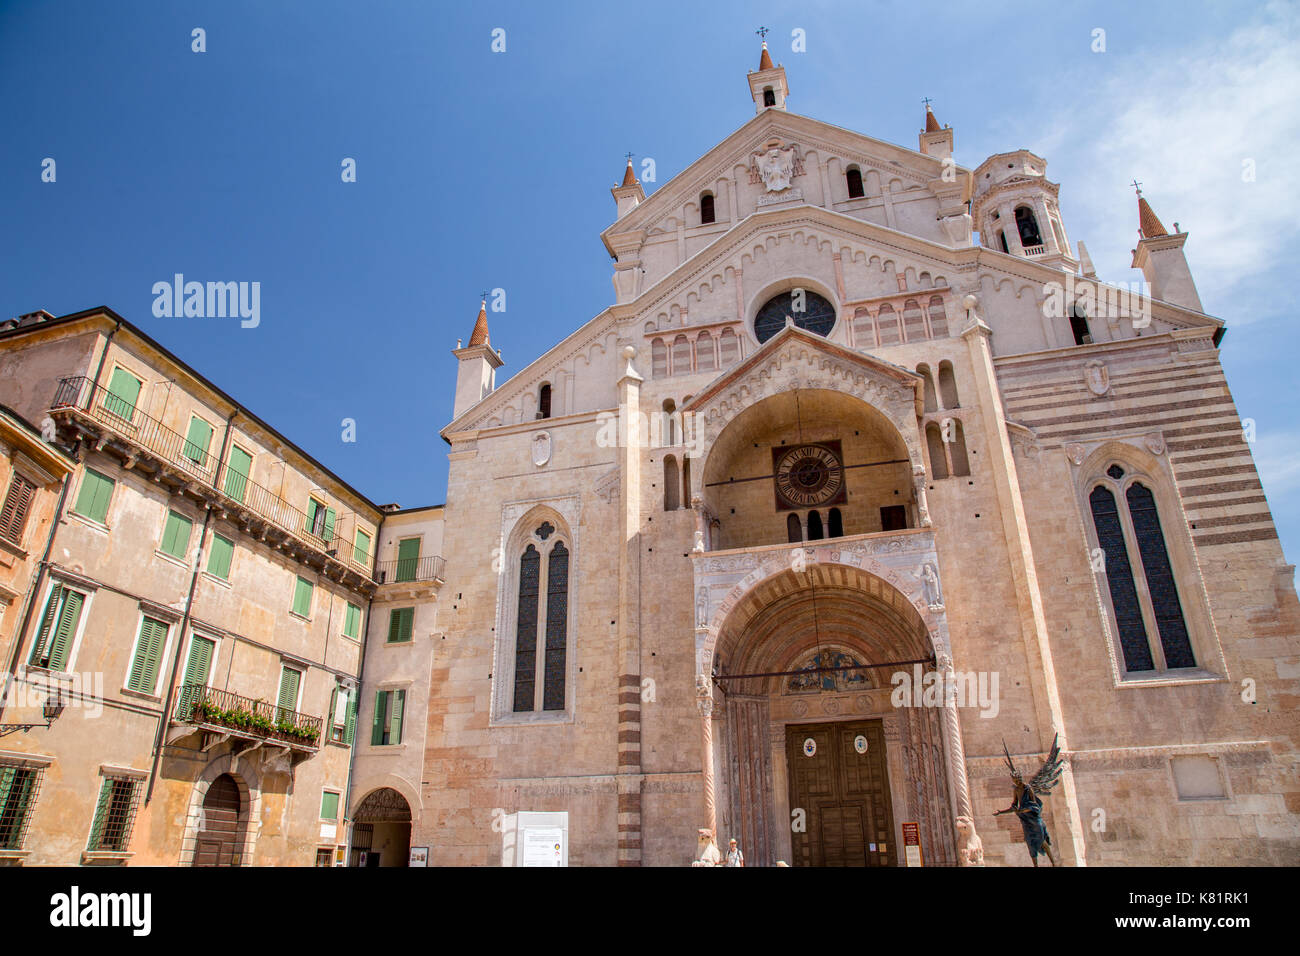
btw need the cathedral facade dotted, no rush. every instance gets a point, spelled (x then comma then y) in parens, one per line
(837, 499)
(865, 490)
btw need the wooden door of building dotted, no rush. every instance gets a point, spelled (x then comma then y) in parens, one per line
(838, 779)
(220, 841)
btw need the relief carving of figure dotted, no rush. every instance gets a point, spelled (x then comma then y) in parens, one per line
(930, 589)
(776, 167)
(970, 848)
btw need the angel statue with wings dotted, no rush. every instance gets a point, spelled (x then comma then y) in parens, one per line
(1027, 805)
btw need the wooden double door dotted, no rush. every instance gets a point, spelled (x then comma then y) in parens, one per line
(838, 778)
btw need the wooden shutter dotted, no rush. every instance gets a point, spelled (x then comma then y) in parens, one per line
(18, 501)
(330, 516)
(196, 670)
(377, 730)
(395, 723)
(408, 556)
(302, 598)
(197, 440)
(148, 653)
(47, 625)
(400, 622)
(124, 392)
(94, 495)
(61, 644)
(176, 535)
(361, 549)
(238, 467)
(223, 550)
(288, 699)
(350, 723)
(330, 716)
(329, 805)
(352, 621)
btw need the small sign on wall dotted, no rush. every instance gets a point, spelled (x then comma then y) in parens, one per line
(536, 839)
(419, 856)
(912, 844)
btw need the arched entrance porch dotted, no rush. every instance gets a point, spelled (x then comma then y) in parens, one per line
(381, 830)
(811, 761)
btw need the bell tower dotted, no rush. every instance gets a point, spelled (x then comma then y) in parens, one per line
(1015, 209)
(767, 85)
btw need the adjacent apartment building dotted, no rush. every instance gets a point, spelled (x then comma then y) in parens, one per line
(184, 595)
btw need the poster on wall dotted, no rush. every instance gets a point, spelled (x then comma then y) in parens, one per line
(419, 856)
(912, 844)
(542, 839)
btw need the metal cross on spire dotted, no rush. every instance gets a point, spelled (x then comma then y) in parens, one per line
(629, 157)
(483, 295)
(763, 32)
(926, 101)
(1138, 186)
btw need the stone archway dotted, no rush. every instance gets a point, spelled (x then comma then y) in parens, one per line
(236, 810)
(381, 830)
(774, 621)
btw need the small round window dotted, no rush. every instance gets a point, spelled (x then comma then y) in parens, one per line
(809, 311)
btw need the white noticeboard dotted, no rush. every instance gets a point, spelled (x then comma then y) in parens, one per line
(542, 839)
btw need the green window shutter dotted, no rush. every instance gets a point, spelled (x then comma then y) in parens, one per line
(148, 654)
(350, 722)
(176, 535)
(61, 643)
(377, 730)
(329, 714)
(329, 806)
(93, 498)
(197, 440)
(289, 679)
(302, 598)
(352, 621)
(238, 468)
(124, 392)
(197, 669)
(408, 556)
(313, 506)
(395, 727)
(16, 785)
(219, 557)
(330, 516)
(400, 623)
(47, 625)
(361, 549)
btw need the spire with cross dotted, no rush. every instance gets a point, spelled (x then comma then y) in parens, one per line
(1138, 186)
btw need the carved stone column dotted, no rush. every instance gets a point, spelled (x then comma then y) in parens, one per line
(957, 781)
(704, 702)
(922, 505)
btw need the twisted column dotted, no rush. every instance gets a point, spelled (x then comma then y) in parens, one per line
(704, 701)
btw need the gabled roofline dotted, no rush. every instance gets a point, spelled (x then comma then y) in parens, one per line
(792, 332)
(767, 116)
(105, 312)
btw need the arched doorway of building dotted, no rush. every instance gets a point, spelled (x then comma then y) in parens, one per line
(220, 841)
(815, 764)
(381, 830)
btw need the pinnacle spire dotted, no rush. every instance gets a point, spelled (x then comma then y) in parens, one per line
(931, 124)
(480, 334)
(1149, 225)
(765, 59)
(629, 174)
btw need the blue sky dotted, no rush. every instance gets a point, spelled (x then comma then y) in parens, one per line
(480, 170)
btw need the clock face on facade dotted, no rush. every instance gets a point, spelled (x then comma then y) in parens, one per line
(807, 476)
(809, 311)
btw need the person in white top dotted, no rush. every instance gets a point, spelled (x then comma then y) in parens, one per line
(734, 856)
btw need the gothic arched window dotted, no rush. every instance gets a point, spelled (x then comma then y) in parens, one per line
(706, 209)
(793, 530)
(1139, 576)
(544, 401)
(1027, 224)
(927, 380)
(836, 524)
(854, 178)
(948, 386)
(672, 496)
(541, 626)
(815, 526)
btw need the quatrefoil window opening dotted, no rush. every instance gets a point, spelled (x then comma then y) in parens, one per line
(545, 530)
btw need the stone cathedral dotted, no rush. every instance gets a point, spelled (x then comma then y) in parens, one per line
(864, 473)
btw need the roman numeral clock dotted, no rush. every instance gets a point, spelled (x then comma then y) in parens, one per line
(808, 476)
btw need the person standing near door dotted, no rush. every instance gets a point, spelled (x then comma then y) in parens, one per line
(734, 856)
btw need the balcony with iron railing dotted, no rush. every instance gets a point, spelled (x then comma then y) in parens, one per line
(411, 570)
(111, 421)
(230, 715)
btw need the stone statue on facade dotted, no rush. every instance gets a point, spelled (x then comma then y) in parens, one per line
(970, 848)
(706, 851)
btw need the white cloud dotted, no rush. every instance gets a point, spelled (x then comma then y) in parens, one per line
(1183, 124)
